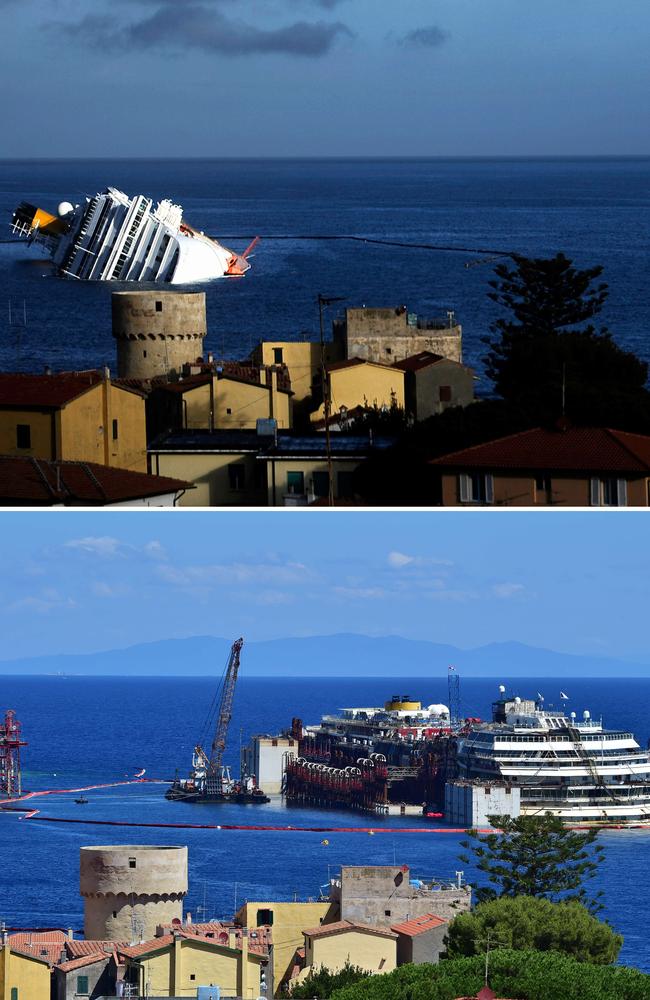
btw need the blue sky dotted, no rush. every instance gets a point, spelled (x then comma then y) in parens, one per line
(82, 582)
(323, 77)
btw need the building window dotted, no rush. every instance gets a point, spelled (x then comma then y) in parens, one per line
(114, 914)
(192, 976)
(228, 409)
(115, 430)
(236, 476)
(159, 306)
(144, 354)
(345, 484)
(387, 913)
(321, 484)
(265, 917)
(445, 394)
(82, 984)
(277, 356)
(389, 350)
(476, 487)
(14, 993)
(131, 862)
(608, 492)
(23, 436)
(295, 482)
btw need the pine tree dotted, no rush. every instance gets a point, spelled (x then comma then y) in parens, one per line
(535, 856)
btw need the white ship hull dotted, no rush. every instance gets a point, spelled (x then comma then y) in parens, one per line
(113, 237)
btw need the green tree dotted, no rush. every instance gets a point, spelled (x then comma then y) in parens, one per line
(322, 983)
(524, 975)
(529, 923)
(535, 856)
(544, 358)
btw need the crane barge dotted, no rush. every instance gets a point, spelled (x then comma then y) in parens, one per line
(210, 779)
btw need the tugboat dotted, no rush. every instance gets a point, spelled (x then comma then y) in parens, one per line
(209, 779)
(82, 800)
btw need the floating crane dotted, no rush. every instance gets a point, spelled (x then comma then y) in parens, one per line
(210, 779)
(10, 744)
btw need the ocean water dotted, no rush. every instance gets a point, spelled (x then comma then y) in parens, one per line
(84, 731)
(597, 211)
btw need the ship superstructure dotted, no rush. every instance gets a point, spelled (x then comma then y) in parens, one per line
(574, 768)
(115, 237)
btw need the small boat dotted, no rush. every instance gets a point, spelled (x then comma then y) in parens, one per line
(81, 801)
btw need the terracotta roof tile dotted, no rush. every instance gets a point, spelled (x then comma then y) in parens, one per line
(347, 926)
(36, 482)
(422, 360)
(79, 963)
(49, 391)
(81, 948)
(418, 925)
(582, 449)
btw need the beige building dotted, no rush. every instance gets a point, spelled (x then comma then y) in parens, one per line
(333, 946)
(388, 895)
(368, 384)
(234, 397)
(434, 384)
(389, 335)
(131, 888)
(157, 332)
(576, 467)
(76, 417)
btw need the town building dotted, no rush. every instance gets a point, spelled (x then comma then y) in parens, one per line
(356, 382)
(303, 360)
(576, 467)
(421, 940)
(26, 961)
(389, 335)
(384, 895)
(32, 482)
(276, 469)
(285, 922)
(433, 384)
(335, 945)
(74, 417)
(157, 332)
(224, 396)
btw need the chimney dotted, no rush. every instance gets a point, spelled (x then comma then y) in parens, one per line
(70, 934)
(188, 918)
(106, 373)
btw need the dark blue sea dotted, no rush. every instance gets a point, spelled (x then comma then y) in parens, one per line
(595, 210)
(84, 731)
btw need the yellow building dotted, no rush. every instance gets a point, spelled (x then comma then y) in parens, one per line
(176, 964)
(232, 399)
(356, 382)
(332, 946)
(77, 417)
(303, 360)
(287, 922)
(23, 976)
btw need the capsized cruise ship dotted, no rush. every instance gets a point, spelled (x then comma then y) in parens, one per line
(112, 237)
(573, 768)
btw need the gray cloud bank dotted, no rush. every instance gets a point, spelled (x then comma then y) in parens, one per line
(196, 26)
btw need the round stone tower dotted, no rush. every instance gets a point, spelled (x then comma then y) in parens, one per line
(157, 332)
(129, 889)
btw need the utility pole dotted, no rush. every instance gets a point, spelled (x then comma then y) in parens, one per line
(324, 301)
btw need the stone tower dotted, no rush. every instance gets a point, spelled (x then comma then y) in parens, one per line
(157, 332)
(129, 889)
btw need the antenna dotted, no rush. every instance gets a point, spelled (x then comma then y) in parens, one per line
(453, 689)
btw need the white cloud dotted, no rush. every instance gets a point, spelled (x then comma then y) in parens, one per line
(102, 545)
(398, 560)
(506, 590)
(361, 593)
(49, 600)
(218, 574)
(155, 550)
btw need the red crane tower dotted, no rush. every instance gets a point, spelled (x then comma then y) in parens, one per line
(10, 744)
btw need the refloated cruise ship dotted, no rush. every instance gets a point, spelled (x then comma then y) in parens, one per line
(575, 769)
(112, 237)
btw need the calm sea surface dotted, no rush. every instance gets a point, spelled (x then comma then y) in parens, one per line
(84, 731)
(597, 211)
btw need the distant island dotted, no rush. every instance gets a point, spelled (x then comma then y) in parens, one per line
(339, 655)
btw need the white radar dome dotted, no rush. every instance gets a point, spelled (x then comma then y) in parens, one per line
(438, 710)
(65, 208)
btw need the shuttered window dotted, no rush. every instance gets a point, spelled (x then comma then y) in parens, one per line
(82, 985)
(477, 488)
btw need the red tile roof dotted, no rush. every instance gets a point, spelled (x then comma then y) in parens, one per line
(354, 362)
(82, 949)
(212, 932)
(580, 449)
(418, 925)
(347, 926)
(46, 946)
(79, 963)
(160, 943)
(49, 392)
(38, 483)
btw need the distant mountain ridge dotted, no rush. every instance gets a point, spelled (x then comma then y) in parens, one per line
(339, 655)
